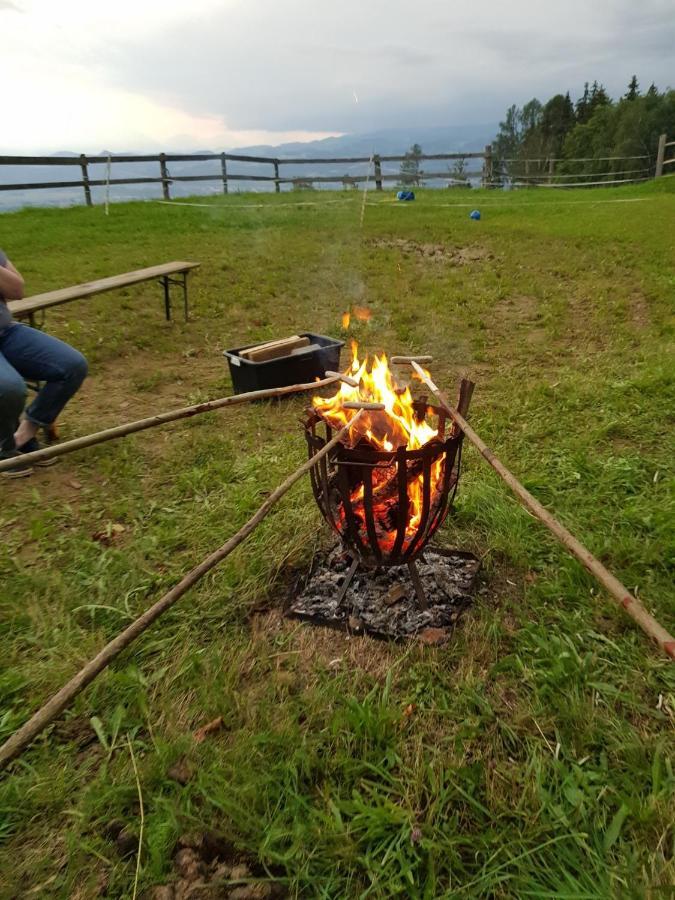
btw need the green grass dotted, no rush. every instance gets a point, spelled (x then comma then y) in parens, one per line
(538, 759)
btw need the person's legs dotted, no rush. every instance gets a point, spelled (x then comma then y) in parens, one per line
(12, 399)
(40, 356)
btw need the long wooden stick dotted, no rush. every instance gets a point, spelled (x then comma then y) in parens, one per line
(18, 742)
(186, 412)
(619, 593)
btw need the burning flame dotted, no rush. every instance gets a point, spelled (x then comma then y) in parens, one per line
(397, 425)
(361, 313)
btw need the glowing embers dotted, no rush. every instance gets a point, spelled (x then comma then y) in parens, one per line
(387, 492)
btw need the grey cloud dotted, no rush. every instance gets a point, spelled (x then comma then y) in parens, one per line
(293, 65)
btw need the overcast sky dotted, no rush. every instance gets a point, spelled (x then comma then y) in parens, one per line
(188, 74)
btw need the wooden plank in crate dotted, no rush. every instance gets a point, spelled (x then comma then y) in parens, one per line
(274, 349)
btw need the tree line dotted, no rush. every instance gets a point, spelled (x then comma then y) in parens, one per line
(591, 129)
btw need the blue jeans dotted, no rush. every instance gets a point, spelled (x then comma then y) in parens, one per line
(28, 353)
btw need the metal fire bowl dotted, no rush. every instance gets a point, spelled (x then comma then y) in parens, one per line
(344, 469)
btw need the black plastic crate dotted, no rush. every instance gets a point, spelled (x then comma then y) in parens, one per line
(301, 367)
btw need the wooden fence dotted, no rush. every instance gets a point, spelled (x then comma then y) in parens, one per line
(492, 172)
(661, 160)
(165, 178)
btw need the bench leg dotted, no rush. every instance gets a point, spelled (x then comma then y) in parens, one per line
(167, 298)
(185, 296)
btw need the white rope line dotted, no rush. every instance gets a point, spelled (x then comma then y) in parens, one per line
(228, 205)
(505, 204)
(592, 183)
(524, 176)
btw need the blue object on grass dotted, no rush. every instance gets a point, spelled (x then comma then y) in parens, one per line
(474, 214)
(405, 195)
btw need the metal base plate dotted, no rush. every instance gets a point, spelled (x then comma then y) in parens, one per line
(382, 602)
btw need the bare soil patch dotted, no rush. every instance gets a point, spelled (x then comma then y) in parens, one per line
(207, 865)
(520, 313)
(458, 256)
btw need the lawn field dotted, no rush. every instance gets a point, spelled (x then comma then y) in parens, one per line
(530, 757)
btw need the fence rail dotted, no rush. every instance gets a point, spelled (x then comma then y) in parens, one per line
(517, 172)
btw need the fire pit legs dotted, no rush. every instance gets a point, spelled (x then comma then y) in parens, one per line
(417, 584)
(347, 581)
(414, 577)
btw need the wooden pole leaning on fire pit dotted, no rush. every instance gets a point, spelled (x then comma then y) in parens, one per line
(99, 437)
(619, 593)
(18, 742)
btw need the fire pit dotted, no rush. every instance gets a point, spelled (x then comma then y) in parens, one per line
(387, 492)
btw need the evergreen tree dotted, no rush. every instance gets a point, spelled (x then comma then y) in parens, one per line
(583, 103)
(582, 136)
(633, 91)
(410, 166)
(599, 97)
(557, 119)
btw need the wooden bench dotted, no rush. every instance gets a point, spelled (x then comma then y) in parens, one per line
(27, 307)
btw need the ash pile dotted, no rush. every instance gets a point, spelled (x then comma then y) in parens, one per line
(382, 602)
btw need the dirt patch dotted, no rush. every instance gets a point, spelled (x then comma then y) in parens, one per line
(521, 312)
(128, 388)
(458, 256)
(520, 309)
(209, 866)
(139, 385)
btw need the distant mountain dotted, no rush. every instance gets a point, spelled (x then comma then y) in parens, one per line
(386, 142)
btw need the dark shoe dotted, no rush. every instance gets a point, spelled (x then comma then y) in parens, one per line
(30, 447)
(22, 470)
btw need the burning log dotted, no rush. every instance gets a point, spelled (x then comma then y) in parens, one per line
(346, 379)
(401, 360)
(362, 404)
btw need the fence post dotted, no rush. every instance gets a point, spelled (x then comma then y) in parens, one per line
(223, 169)
(660, 155)
(85, 179)
(165, 176)
(378, 172)
(551, 168)
(487, 166)
(277, 186)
